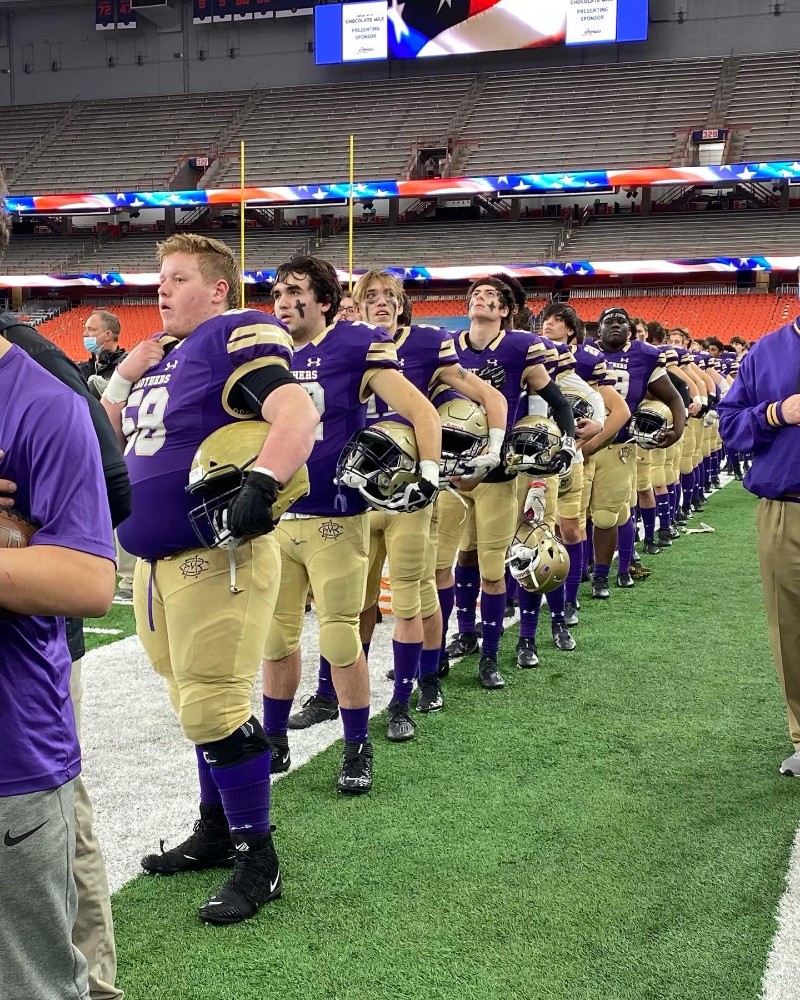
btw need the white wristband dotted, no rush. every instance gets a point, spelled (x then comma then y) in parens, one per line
(497, 436)
(118, 389)
(698, 400)
(429, 470)
(264, 471)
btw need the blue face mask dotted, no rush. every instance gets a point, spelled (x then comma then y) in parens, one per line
(90, 343)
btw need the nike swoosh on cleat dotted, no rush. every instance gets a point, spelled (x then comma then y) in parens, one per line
(10, 841)
(274, 885)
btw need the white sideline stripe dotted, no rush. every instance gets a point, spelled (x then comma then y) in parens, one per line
(141, 771)
(782, 976)
(102, 631)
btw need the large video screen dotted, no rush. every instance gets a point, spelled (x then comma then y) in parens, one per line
(419, 29)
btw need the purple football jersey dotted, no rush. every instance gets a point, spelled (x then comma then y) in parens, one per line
(335, 369)
(175, 406)
(590, 365)
(505, 363)
(634, 367)
(422, 352)
(52, 454)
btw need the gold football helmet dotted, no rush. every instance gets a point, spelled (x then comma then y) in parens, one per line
(465, 432)
(532, 445)
(217, 474)
(649, 421)
(538, 560)
(381, 461)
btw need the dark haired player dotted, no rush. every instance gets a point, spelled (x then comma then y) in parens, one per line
(324, 540)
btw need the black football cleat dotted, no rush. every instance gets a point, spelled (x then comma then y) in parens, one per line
(256, 879)
(682, 517)
(463, 644)
(650, 548)
(738, 477)
(716, 482)
(355, 774)
(625, 580)
(280, 758)
(314, 709)
(698, 505)
(673, 532)
(208, 846)
(527, 654)
(600, 587)
(571, 614)
(400, 727)
(444, 664)
(489, 676)
(664, 538)
(430, 697)
(562, 639)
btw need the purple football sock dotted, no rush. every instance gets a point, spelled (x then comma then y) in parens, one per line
(706, 469)
(625, 541)
(209, 793)
(555, 601)
(429, 663)
(492, 608)
(511, 586)
(325, 688)
(355, 722)
(663, 508)
(687, 486)
(447, 597)
(698, 482)
(588, 552)
(276, 715)
(601, 570)
(575, 553)
(715, 463)
(406, 668)
(245, 794)
(529, 607)
(468, 583)
(649, 522)
(675, 493)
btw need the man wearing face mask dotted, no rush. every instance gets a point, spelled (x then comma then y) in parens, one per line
(101, 340)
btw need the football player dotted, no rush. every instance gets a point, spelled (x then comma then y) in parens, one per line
(325, 538)
(428, 359)
(202, 613)
(636, 365)
(561, 324)
(512, 361)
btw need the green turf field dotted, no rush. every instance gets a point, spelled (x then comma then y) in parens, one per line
(611, 826)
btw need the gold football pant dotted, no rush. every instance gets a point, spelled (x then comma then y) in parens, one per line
(658, 467)
(644, 463)
(485, 521)
(779, 555)
(613, 483)
(332, 554)
(405, 539)
(206, 641)
(570, 504)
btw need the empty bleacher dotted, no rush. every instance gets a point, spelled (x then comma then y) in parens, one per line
(131, 144)
(581, 117)
(23, 126)
(301, 134)
(702, 234)
(439, 244)
(46, 254)
(766, 96)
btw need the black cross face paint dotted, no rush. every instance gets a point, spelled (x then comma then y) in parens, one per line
(492, 306)
(301, 309)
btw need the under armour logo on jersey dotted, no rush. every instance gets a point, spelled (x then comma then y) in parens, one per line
(402, 362)
(330, 530)
(314, 362)
(170, 365)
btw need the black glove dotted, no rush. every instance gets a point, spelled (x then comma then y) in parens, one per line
(563, 459)
(251, 511)
(416, 496)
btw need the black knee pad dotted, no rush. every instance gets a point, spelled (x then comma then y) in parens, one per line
(247, 742)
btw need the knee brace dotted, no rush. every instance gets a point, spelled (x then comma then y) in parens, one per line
(339, 642)
(244, 743)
